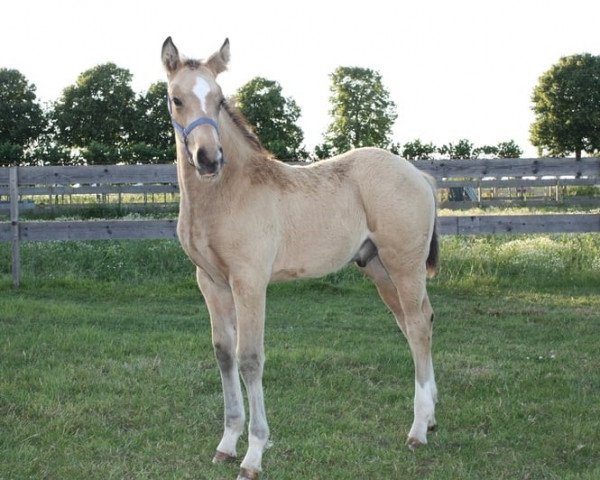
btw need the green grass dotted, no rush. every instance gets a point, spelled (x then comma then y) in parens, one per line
(107, 372)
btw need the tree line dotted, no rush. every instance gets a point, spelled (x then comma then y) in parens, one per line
(97, 120)
(100, 119)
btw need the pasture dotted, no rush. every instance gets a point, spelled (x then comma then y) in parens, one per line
(107, 370)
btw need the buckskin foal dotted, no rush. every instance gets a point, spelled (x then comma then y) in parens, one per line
(247, 219)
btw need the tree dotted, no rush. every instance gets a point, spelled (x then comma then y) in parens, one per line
(273, 117)
(416, 150)
(47, 151)
(566, 102)
(363, 113)
(21, 118)
(509, 149)
(98, 109)
(463, 149)
(485, 151)
(152, 139)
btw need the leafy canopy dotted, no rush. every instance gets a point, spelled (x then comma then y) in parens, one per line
(99, 108)
(566, 102)
(464, 149)
(21, 117)
(152, 138)
(363, 113)
(273, 117)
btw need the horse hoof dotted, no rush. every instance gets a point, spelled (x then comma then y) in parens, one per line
(246, 474)
(414, 443)
(222, 457)
(432, 428)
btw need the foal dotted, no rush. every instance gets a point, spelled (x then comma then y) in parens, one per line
(246, 219)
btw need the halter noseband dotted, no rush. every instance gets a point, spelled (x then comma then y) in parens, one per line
(185, 131)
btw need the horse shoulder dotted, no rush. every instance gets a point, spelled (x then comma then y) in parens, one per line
(265, 171)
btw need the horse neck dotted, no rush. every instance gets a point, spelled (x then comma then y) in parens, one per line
(238, 150)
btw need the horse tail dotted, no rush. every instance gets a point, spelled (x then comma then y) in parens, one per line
(433, 259)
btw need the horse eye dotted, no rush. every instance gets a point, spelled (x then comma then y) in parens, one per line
(177, 102)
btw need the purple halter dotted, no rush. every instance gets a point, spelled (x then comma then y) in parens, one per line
(185, 131)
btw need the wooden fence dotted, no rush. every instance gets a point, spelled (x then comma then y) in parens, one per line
(18, 182)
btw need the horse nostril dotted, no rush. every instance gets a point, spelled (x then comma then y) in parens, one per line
(208, 162)
(201, 155)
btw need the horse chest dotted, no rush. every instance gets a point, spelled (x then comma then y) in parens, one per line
(199, 246)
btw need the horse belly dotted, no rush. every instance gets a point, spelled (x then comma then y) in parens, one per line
(319, 248)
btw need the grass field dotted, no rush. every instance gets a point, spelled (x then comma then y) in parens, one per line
(107, 372)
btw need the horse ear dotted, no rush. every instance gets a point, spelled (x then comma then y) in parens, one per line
(218, 61)
(170, 56)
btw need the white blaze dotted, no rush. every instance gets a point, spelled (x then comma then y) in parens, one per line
(202, 89)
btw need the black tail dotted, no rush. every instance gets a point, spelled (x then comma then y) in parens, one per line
(433, 258)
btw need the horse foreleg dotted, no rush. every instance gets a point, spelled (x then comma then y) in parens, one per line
(233, 402)
(219, 301)
(249, 295)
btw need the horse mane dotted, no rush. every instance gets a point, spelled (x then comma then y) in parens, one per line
(264, 168)
(245, 129)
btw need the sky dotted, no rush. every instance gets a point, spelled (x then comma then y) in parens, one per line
(455, 69)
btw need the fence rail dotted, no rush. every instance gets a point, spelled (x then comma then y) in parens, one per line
(76, 180)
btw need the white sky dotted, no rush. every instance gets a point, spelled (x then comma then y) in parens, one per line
(456, 68)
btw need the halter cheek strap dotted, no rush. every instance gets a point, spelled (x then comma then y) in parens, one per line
(185, 131)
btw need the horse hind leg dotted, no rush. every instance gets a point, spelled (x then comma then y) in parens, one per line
(429, 314)
(417, 328)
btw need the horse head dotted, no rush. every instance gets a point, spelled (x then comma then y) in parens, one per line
(195, 101)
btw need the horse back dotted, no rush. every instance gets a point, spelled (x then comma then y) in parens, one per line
(338, 204)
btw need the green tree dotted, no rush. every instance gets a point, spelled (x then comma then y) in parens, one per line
(566, 102)
(11, 154)
(47, 151)
(22, 119)
(152, 139)
(97, 113)
(417, 150)
(325, 150)
(509, 149)
(489, 151)
(463, 149)
(273, 117)
(363, 113)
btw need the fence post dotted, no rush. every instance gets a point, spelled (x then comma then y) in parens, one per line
(13, 179)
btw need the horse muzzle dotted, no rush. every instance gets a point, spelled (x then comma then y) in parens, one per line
(208, 164)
